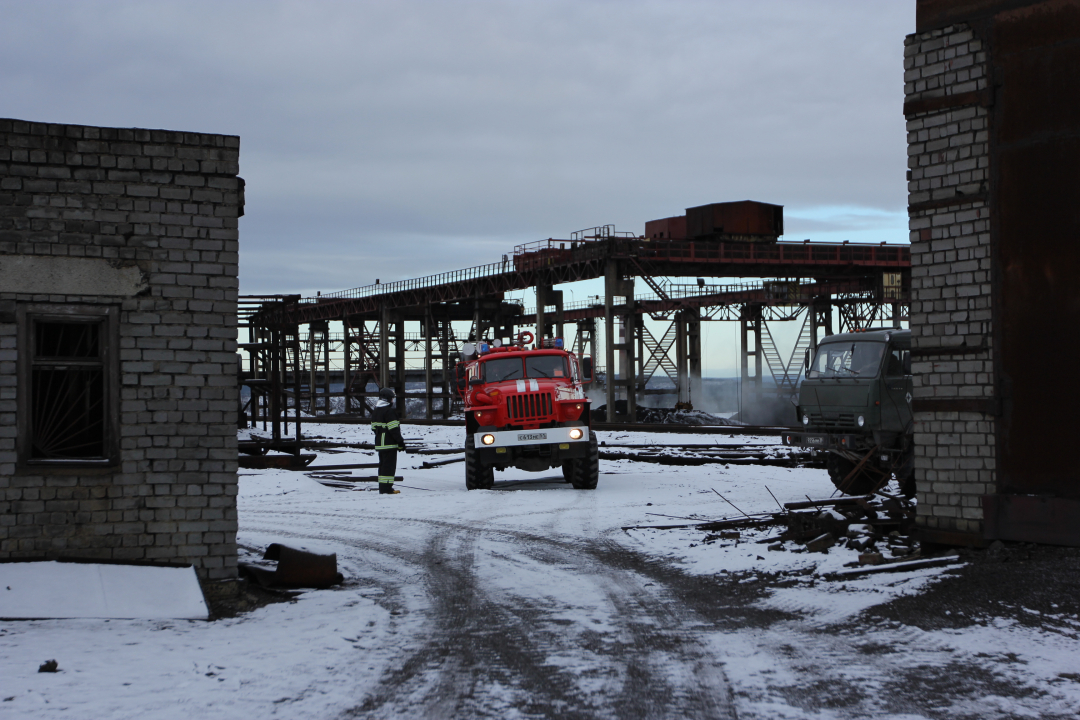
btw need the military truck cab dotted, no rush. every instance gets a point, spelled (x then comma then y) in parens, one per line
(855, 405)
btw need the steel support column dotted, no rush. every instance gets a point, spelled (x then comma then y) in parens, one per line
(682, 364)
(346, 364)
(750, 322)
(820, 319)
(384, 347)
(399, 364)
(548, 325)
(693, 355)
(428, 388)
(616, 286)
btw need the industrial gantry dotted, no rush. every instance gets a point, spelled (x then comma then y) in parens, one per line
(288, 370)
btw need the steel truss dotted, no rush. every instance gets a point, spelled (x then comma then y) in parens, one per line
(866, 284)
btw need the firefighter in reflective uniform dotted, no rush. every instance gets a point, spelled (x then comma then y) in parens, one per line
(387, 429)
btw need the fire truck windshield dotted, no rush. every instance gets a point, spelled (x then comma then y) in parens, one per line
(546, 366)
(498, 369)
(536, 366)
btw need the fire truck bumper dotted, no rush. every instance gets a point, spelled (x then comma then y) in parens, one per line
(517, 438)
(506, 445)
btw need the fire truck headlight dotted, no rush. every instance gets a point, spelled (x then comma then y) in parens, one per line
(861, 421)
(488, 439)
(805, 420)
(575, 433)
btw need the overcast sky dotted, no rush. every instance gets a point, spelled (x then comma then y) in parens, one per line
(397, 139)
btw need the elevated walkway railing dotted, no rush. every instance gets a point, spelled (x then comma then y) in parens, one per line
(559, 252)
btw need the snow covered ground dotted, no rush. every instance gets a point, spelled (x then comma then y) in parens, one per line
(532, 601)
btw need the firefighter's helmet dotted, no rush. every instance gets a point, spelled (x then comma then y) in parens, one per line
(386, 393)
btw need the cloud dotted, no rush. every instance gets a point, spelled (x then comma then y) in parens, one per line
(397, 139)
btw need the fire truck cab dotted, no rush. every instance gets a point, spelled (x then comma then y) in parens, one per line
(525, 407)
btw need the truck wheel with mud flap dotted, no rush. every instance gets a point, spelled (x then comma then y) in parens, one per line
(477, 475)
(586, 471)
(568, 470)
(860, 483)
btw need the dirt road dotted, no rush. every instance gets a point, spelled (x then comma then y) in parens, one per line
(498, 623)
(513, 609)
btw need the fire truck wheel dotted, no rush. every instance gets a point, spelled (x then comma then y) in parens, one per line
(477, 476)
(568, 470)
(587, 469)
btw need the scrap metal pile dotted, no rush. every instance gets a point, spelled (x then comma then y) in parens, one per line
(710, 453)
(878, 526)
(675, 454)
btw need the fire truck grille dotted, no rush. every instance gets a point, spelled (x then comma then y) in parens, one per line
(528, 406)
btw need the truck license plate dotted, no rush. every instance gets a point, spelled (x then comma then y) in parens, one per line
(532, 436)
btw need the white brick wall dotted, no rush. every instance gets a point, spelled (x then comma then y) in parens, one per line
(948, 161)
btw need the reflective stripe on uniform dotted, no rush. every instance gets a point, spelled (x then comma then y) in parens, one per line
(386, 447)
(386, 479)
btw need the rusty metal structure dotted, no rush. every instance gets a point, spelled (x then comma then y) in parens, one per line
(289, 341)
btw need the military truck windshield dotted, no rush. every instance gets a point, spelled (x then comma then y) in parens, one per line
(847, 359)
(502, 369)
(546, 366)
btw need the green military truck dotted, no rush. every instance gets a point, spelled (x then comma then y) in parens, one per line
(855, 405)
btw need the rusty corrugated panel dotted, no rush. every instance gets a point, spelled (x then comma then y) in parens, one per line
(672, 228)
(746, 219)
(1035, 153)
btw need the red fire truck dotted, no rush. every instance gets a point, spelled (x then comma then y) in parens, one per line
(526, 408)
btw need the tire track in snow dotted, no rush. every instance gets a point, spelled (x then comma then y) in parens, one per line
(488, 650)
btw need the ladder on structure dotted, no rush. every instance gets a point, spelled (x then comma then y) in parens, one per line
(786, 375)
(658, 354)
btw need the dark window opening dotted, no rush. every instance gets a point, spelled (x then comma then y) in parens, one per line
(896, 362)
(67, 339)
(68, 404)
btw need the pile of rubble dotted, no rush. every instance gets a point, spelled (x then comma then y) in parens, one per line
(880, 527)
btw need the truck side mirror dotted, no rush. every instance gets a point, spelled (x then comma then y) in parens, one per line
(806, 363)
(586, 369)
(476, 381)
(907, 362)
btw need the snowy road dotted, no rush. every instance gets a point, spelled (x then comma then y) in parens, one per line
(530, 601)
(491, 621)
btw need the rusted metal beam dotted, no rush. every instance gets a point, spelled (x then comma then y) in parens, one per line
(587, 260)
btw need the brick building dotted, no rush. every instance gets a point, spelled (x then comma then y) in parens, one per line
(993, 119)
(118, 392)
